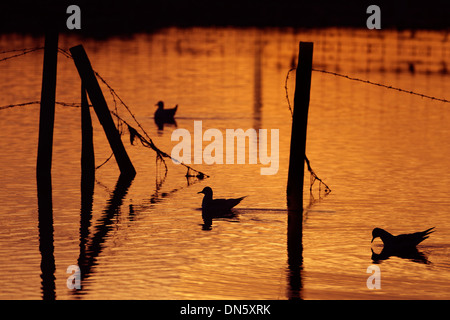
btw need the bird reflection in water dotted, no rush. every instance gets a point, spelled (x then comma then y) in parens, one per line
(217, 208)
(412, 254)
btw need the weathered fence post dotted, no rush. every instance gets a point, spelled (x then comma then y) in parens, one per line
(296, 169)
(299, 124)
(90, 82)
(47, 112)
(44, 164)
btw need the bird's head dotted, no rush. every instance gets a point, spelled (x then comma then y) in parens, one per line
(377, 232)
(160, 104)
(207, 191)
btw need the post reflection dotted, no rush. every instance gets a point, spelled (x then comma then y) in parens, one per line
(89, 253)
(257, 85)
(87, 173)
(45, 226)
(295, 254)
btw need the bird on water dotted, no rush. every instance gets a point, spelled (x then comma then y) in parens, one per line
(217, 206)
(163, 116)
(402, 241)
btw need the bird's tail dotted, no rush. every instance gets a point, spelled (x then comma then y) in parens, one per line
(240, 199)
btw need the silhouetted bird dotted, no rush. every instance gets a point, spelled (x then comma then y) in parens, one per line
(216, 208)
(402, 241)
(163, 116)
(217, 205)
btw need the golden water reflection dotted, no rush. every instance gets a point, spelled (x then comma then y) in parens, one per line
(383, 153)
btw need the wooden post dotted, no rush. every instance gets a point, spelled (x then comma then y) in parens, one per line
(101, 109)
(87, 145)
(47, 112)
(296, 169)
(44, 165)
(299, 124)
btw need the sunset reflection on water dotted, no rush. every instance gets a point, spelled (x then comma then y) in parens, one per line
(383, 153)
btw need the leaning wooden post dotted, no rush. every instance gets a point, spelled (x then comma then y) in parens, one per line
(299, 124)
(89, 80)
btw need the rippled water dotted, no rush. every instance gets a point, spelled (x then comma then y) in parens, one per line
(384, 154)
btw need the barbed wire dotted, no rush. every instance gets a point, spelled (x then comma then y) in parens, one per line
(382, 85)
(22, 52)
(65, 104)
(134, 134)
(145, 141)
(286, 89)
(363, 81)
(148, 142)
(69, 56)
(314, 176)
(19, 105)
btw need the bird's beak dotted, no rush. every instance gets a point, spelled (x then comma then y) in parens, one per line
(372, 239)
(200, 192)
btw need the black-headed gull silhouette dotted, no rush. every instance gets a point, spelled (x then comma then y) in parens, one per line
(163, 116)
(402, 241)
(217, 208)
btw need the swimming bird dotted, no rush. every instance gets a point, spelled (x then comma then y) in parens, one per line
(217, 208)
(402, 241)
(164, 115)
